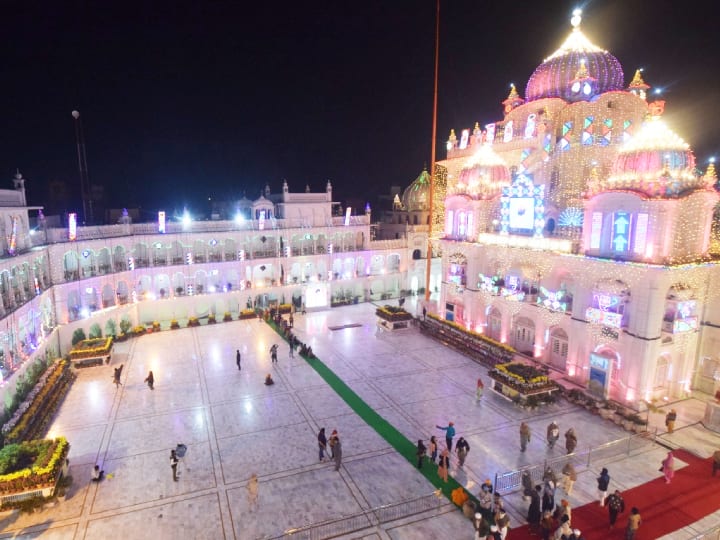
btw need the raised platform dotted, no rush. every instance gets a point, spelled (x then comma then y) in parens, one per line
(711, 420)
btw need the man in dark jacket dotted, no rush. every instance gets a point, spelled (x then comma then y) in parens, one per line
(603, 482)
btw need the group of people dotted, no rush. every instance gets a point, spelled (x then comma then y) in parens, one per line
(549, 519)
(553, 434)
(335, 447)
(117, 374)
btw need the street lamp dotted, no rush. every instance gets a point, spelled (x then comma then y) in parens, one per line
(82, 167)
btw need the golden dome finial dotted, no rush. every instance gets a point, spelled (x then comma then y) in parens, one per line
(576, 18)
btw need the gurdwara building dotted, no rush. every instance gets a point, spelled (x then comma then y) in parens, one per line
(579, 230)
(282, 248)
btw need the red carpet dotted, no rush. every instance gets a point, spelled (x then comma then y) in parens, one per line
(692, 495)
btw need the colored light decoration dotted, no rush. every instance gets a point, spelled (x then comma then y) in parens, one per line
(620, 232)
(72, 226)
(641, 229)
(348, 213)
(12, 243)
(490, 133)
(552, 300)
(571, 217)
(161, 222)
(522, 207)
(464, 138)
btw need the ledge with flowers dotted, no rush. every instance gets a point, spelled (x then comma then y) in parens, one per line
(31, 469)
(393, 317)
(481, 348)
(522, 383)
(33, 415)
(91, 351)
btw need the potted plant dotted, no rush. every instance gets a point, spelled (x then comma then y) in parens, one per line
(227, 317)
(174, 325)
(211, 319)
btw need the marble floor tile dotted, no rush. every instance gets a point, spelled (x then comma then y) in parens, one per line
(234, 425)
(195, 517)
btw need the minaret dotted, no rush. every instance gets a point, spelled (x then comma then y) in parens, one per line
(267, 191)
(513, 100)
(711, 175)
(328, 190)
(638, 86)
(19, 183)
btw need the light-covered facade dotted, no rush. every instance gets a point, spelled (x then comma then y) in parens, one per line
(578, 230)
(285, 248)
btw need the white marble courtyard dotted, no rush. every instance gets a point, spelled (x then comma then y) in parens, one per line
(235, 426)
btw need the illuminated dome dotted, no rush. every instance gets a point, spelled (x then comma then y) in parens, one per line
(482, 177)
(655, 162)
(558, 75)
(417, 195)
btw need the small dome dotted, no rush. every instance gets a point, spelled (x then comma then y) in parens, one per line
(655, 162)
(417, 195)
(577, 55)
(482, 177)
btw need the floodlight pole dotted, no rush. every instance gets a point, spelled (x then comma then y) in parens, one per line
(432, 153)
(82, 167)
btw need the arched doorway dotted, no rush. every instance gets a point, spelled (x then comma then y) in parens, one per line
(494, 324)
(524, 335)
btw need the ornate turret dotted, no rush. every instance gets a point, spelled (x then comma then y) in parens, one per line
(638, 86)
(19, 183)
(285, 187)
(513, 100)
(710, 174)
(452, 141)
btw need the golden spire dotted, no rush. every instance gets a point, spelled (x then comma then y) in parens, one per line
(582, 73)
(452, 137)
(638, 81)
(710, 174)
(513, 95)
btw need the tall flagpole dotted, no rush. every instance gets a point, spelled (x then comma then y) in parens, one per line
(432, 152)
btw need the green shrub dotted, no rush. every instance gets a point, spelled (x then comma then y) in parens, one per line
(95, 331)
(125, 324)
(111, 328)
(78, 336)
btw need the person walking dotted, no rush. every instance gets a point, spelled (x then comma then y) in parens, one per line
(253, 489)
(670, 420)
(502, 520)
(564, 530)
(716, 461)
(337, 453)
(616, 505)
(444, 465)
(479, 390)
(116, 377)
(421, 451)
(485, 500)
(449, 434)
(569, 477)
(524, 436)
(173, 464)
(292, 350)
(527, 485)
(461, 449)
(603, 481)
(322, 444)
(150, 380)
(553, 434)
(570, 440)
(273, 353)
(238, 357)
(534, 514)
(332, 441)
(434, 449)
(633, 524)
(668, 467)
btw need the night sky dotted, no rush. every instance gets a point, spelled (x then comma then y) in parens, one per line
(185, 101)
